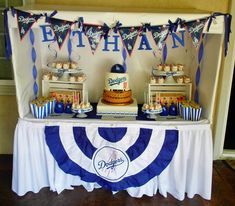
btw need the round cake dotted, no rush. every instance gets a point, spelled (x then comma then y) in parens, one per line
(117, 97)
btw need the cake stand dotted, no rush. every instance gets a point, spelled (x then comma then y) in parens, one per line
(63, 73)
(151, 114)
(81, 113)
(168, 74)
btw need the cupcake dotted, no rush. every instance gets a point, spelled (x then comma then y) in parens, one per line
(66, 65)
(157, 106)
(159, 67)
(46, 77)
(180, 67)
(54, 78)
(167, 68)
(180, 80)
(187, 79)
(80, 79)
(174, 68)
(59, 65)
(53, 65)
(72, 79)
(73, 65)
(160, 80)
(145, 106)
(87, 105)
(152, 80)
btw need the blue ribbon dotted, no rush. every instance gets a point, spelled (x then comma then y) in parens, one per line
(81, 24)
(8, 51)
(227, 21)
(146, 27)
(117, 26)
(173, 26)
(105, 31)
(50, 16)
(182, 23)
(13, 11)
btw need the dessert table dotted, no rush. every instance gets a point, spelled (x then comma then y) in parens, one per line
(142, 157)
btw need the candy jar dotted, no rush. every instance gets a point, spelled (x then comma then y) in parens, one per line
(172, 109)
(164, 110)
(59, 107)
(68, 108)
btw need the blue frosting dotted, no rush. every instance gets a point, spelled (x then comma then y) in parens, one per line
(117, 68)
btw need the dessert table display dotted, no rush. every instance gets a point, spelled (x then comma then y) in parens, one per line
(146, 130)
(140, 157)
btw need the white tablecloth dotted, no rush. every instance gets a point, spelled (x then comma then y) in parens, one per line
(190, 170)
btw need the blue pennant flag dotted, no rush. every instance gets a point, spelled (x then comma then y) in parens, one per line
(195, 29)
(61, 29)
(129, 36)
(160, 34)
(94, 34)
(25, 21)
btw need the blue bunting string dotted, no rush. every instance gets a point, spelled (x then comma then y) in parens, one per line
(173, 26)
(47, 18)
(124, 56)
(34, 57)
(8, 50)
(117, 26)
(105, 31)
(198, 72)
(227, 28)
(146, 27)
(164, 53)
(227, 20)
(81, 24)
(69, 45)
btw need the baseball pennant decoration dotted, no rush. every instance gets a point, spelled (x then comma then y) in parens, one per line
(160, 34)
(25, 21)
(129, 36)
(61, 29)
(94, 34)
(195, 29)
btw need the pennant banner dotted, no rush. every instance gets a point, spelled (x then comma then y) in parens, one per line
(94, 34)
(25, 22)
(129, 36)
(195, 29)
(61, 29)
(159, 34)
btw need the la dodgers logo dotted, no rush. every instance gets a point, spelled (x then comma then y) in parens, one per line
(110, 163)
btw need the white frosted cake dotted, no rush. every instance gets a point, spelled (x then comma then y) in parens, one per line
(116, 81)
(117, 96)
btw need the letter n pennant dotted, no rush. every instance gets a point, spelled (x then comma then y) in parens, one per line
(129, 36)
(195, 29)
(159, 34)
(61, 29)
(25, 21)
(94, 34)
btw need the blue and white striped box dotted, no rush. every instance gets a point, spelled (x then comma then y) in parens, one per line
(195, 113)
(186, 114)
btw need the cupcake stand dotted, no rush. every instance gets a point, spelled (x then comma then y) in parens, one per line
(152, 156)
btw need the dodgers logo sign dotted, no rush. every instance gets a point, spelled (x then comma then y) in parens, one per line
(110, 163)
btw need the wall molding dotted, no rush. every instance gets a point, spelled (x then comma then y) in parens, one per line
(7, 87)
